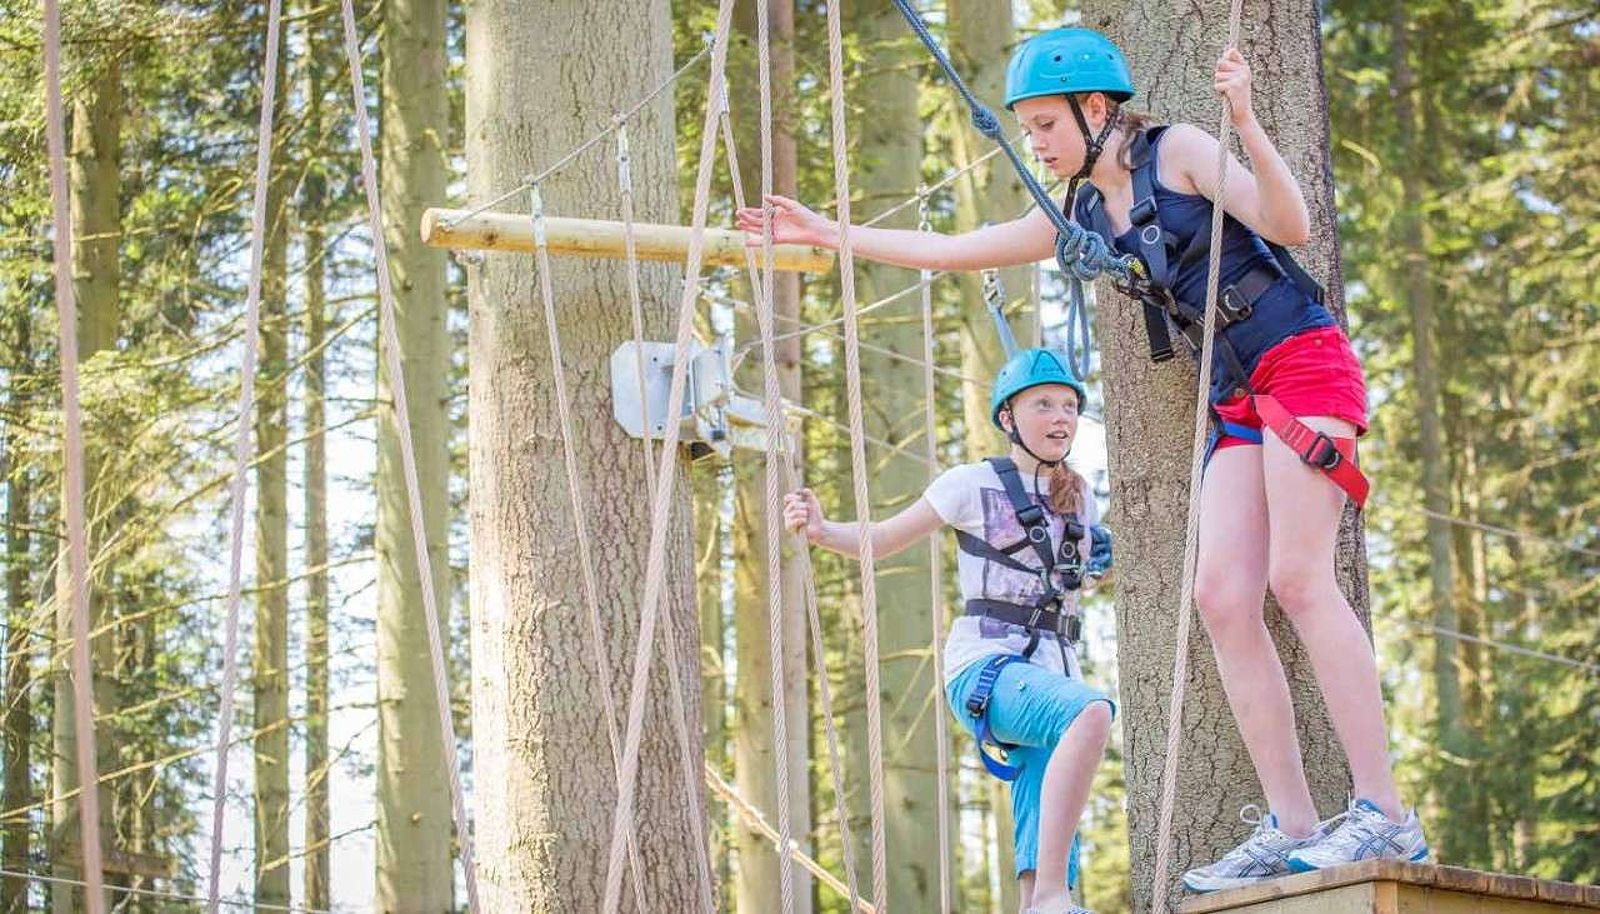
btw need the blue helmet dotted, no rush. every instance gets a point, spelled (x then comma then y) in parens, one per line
(1031, 368)
(1067, 62)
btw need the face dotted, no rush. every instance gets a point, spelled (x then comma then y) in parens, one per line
(1053, 132)
(1047, 418)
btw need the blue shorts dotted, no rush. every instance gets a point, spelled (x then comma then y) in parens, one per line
(1031, 707)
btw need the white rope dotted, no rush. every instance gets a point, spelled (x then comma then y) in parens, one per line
(935, 574)
(858, 460)
(636, 307)
(419, 533)
(1180, 663)
(666, 478)
(243, 450)
(77, 536)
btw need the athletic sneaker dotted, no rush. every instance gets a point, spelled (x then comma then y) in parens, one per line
(1264, 855)
(1365, 834)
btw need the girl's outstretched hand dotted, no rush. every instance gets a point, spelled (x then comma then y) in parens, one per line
(802, 513)
(1232, 81)
(792, 223)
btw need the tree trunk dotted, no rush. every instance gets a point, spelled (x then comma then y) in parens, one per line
(888, 134)
(755, 759)
(96, 189)
(313, 210)
(414, 864)
(1150, 427)
(981, 38)
(17, 724)
(539, 81)
(271, 655)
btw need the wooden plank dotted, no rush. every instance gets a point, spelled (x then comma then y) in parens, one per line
(600, 238)
(1423, 889)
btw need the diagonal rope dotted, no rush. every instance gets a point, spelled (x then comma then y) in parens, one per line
(243, 450)
(636, 311)
(77, 536)
(577, 505)
(858, 458)
(1180, 662)
(935, 573)
(391, 347)
(666, 477)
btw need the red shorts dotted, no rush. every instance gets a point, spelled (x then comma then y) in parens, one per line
(1314, 373)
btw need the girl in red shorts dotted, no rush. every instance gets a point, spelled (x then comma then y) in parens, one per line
(1288, 399)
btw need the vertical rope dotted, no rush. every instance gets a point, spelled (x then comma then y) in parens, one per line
(935, 570)
(858, 457)
(391, 347)
(1180, 662)
(774, 458)
(636, 305)
(243, 450)
(575, 503)
(666, 477)
(77, 536)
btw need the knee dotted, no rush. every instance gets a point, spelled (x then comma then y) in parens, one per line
(1226, 606)
(1299, 587)
(1093, 723)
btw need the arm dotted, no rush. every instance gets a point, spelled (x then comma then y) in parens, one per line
(1026, 239)
(802, 512)
(1269, 200)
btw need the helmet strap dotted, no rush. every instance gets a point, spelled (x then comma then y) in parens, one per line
(1016, 438)
(1092, 145)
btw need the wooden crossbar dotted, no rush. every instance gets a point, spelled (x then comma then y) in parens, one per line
(599, 238)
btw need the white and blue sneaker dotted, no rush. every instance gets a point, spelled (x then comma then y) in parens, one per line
(1262, 856)
(1365, 834)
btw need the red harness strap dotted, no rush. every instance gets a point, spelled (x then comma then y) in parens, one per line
(1334, 457)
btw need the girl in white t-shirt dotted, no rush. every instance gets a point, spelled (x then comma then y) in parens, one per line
(1053, 726)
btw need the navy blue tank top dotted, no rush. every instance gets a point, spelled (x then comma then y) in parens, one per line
(1280, 313)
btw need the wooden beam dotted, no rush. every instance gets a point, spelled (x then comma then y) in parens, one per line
(599, 238)
(1388, 887)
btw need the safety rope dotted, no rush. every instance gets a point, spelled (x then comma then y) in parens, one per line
(243, 449)
(576, 503)
(419, 534)
(1082, 255)
(1180, 663)
(666, 478)
(935, 571)
(77, 536)
(774, 448)
(858, 455)
(630, 250)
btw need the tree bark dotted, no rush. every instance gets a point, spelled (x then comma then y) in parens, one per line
(414, 861)
(96, 187)
(539, 81)
(1172, 50)
(271, 654)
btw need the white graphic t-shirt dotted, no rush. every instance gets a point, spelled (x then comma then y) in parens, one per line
(971, 498)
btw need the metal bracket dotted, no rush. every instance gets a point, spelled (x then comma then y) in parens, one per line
(715, 415)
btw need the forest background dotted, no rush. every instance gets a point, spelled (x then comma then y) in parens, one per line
(1464, 138)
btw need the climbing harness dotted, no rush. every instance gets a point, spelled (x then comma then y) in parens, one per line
(1163, 257)
(1060, 572)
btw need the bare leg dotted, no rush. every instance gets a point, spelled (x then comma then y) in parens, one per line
(1304, 519)
(1067, 780)
(1230, 585)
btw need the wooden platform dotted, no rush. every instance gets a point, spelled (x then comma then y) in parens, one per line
(1391, 887)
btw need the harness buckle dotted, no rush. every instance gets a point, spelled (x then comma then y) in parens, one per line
(1030, 517)
(1234, 306)
(1322, 453)
(1074, 628)
(1143, 212)
(978, 704)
